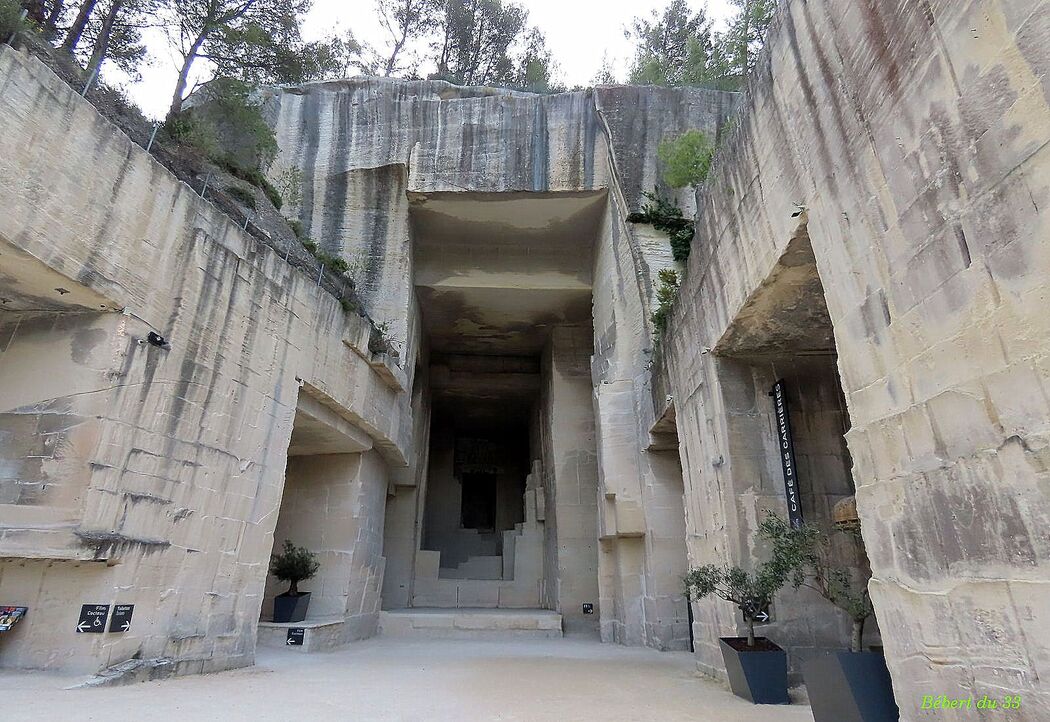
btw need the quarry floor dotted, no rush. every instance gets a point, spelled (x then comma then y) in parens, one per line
(396, 679)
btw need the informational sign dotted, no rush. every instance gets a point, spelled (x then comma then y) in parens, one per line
(786, 448)
(296, 635)
(10, 616)
(92, 619)
(762, 616)
(121, 619)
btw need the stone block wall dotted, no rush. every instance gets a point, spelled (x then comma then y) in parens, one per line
(167, 495)
(911, 138)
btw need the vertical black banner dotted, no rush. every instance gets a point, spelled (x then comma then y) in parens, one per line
(786, 448)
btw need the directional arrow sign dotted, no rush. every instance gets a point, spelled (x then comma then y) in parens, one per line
(763, 616)
(121, 619)
(92, 618)
(295, 637)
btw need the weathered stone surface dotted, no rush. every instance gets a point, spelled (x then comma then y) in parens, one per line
(873, 232)
(914, 137)
(167, 466)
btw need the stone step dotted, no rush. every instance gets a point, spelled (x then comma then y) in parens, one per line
(429, 623)
(317, 635)
(480, 567)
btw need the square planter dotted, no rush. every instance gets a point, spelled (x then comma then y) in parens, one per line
(287, 608)
(850, 687)
(758, 675)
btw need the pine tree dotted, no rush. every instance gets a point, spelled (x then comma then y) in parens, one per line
(671, 46)
(476, 39)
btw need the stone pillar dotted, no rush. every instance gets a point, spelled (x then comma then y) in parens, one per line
(570, 468)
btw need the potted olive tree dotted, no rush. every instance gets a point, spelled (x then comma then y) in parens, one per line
(293, 565)
(855, 685)
(757, 667)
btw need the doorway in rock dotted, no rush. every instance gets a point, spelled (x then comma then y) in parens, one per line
(508, 506)
(334, 491)
(478, 510)
(479, 465)
(777, 361)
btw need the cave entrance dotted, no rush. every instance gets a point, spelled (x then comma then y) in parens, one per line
(786, 421)
(480, 452)
(508, 505)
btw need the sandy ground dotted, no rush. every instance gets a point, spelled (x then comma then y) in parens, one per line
(398, 679)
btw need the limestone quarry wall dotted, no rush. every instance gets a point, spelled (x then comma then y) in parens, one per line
(170, 462)
(133, 473)
(360, 144)
(910, 140)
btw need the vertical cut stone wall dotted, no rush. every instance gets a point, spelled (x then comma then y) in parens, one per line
(913, 138)
(163, 483)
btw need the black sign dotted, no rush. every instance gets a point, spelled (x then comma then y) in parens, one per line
(786, 448)
(762, 616)
(121, 619)
(296, 635)
(588, 608)
(92, 619)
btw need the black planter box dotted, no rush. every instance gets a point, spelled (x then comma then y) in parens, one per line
(287, 608)
(759, 675)
(850, 687)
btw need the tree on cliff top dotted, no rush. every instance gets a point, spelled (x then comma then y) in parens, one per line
(678, 47)
(488, 42)
(406, 22)
(474, 46)
(116, 35)
(271, 50)
(672, 46)
(536, 67)
(246, 34)
(735, 51)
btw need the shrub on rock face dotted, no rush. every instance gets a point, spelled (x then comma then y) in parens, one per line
(227, 127)
(686, 159)
(245, 197)
(665, 216)
(666, 293)
(11, 21)
(293, 565)
(248, 141)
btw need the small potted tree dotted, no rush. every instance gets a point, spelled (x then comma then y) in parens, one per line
(757, 667)
(293, 565)
(855, 685)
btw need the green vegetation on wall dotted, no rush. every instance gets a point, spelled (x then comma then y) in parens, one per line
(666, 292)
(686, 159)
(11, 21)
(665, 216)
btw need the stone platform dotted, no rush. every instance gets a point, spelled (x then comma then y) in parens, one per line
(319, 635)
(432, 623)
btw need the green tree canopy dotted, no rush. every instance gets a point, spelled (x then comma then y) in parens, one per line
(669, 45)
(686, 159)
(475, 42)
(678, 47)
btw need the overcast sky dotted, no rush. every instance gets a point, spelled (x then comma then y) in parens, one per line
(578, 33)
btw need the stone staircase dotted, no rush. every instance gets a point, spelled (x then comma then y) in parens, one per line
(510, 581)
(471, 623)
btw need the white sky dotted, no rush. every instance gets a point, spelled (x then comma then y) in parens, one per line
(578, 33)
